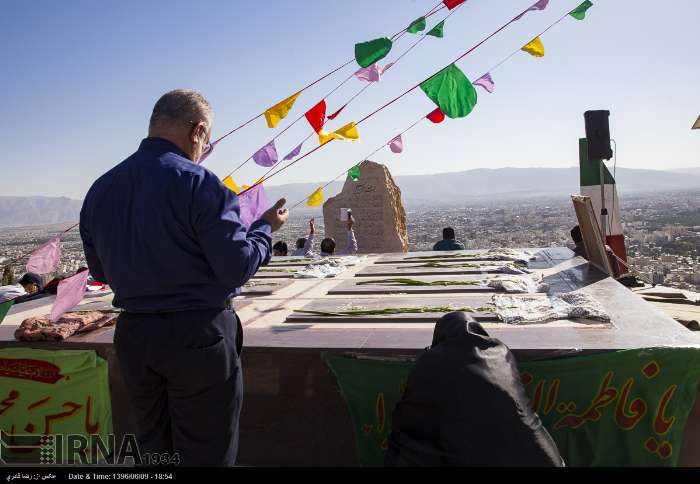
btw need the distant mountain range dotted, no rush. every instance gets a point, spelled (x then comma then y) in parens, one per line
(21, 211)
(417, 190)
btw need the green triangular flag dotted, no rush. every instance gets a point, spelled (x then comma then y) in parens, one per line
(451, 91)
(4, 308)
(367, 53)
(438, 30)
(418, 25)
(579, 13)
(354, 173)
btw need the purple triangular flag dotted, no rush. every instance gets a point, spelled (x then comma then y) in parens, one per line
(267, 155)
(539, 5)
(253, 204)
(207, 151)
(486, 81)
(294, 152)
(69, 294)
(44, 260)
(396, 145)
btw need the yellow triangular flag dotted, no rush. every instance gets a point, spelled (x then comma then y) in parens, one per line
(347, 133)
(534, 47)
(280, 110)
(316, 198)
(228, 181)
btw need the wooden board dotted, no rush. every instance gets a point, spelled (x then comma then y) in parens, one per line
(366, 286)
(403, 270)
(590, 231)
(264, 287)
(454, 302)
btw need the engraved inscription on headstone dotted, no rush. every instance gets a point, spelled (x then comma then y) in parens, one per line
(375, 201)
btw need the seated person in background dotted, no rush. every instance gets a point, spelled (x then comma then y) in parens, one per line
(579, 248)
(328, 244)
(305, 246)
(465, 405)
(28, 286)
(448, 241)
(280, 248)
(51, 287)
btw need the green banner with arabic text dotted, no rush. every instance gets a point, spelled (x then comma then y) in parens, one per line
(622, 408)
(46, 396)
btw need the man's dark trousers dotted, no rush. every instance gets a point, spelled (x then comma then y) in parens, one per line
(183, 376)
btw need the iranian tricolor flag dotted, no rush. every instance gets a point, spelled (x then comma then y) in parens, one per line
(590, 187)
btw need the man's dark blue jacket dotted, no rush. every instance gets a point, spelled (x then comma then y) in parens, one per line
(166, 235)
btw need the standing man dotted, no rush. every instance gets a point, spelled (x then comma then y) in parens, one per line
(165, 234)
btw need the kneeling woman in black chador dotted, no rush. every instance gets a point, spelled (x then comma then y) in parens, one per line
(464, 405)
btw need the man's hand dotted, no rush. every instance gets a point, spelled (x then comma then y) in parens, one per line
(276, 216)
(312, 226)
(351, 222)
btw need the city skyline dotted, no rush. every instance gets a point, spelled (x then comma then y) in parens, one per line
(84, 78)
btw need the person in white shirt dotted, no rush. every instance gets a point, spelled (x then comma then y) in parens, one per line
(305, 246)
(328, 244)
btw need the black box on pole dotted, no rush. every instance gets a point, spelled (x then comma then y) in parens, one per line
(598, 134)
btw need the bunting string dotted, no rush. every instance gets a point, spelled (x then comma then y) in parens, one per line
(439, 6)
(435, 10)
(389, 103)
(406, 92)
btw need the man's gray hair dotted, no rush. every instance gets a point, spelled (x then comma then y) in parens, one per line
(182, 106)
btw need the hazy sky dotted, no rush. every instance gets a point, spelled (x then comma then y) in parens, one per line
(80, 78)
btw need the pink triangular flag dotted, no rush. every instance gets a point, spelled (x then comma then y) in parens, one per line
(486, 81)
(372, 73)
(70, 292)
(253, 204)
(539, 5)
(396, 144)
(44, 260)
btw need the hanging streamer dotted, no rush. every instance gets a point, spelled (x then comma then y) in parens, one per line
(208, 151)
(69, 293)
(337, 113)
(316, 116)
(44, 260)
(486, 81)
(267, 155)
(367, 53)
(354, 172)
(535, 47)
(295, 152)
(540, 5)
(316, 198)
(451, 91)
(418, 25)
(347, 133)
(579, 13)
(231, 185)
(438, 30)
(280, 110)
(396, 144)
(436, 116)
(253, 203)
(450, 4)
(372, 73)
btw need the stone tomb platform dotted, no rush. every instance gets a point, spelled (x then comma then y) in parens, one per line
(293, 413)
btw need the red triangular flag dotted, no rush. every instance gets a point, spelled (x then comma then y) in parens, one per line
(436, 116)
(450, 4)
(335, 114)
(316, 116)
